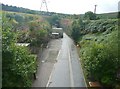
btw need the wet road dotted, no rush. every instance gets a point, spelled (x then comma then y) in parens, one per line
(46, 61)
(67, 71)
(59, 65)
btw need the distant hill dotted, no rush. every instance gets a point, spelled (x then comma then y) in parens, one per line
(17, 9)
(24, 10)
(112, 15)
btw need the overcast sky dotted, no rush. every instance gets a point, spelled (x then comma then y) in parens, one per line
(67, 6)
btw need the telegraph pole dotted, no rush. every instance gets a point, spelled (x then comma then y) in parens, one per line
(95, 9)
(44, 2)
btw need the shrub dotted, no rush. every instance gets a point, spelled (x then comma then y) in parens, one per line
(18, 65)
(101, 60)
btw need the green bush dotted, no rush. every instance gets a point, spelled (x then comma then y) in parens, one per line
(18, 65)
(77, 27)
(101, 25)
(101, 60)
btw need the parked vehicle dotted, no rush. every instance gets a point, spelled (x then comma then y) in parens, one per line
(57, 33)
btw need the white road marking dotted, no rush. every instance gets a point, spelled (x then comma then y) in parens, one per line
(49, 82)
(71, 72)
(43, 61)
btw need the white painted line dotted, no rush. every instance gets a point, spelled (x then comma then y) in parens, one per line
(58, 54)
(71, 72)
(49, 82)
(43, 61)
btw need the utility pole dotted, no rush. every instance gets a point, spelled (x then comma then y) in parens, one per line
(95, 9)
(44, 2)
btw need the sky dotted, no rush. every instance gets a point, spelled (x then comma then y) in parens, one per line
(67, 6)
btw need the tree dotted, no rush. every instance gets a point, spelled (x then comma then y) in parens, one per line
(75, 31)
(82, 25)
(55, 20)
(18, 65)
(39, 37)
(38, 32)
(78, 27)
(118, 14)
(90, 15)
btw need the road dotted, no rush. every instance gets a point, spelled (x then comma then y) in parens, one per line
(65, 69)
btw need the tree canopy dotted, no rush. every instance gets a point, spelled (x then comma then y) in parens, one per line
(90, 15)
(18, 65)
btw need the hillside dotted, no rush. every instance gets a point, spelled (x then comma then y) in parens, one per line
(25, 10)
(96, 40)
(113, 15)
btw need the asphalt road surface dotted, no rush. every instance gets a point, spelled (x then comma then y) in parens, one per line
(60, 67)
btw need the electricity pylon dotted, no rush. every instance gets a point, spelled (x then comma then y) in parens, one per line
(44, 2)
(95, 9)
